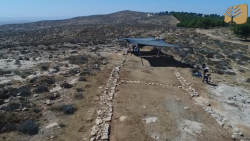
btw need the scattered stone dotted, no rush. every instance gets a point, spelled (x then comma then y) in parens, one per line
(56, 95)
(94, 130)
(98, 121)
(25, 109)
(150, 119)
(48, 102)
(52, 125)
(122, 118)
(208, 104)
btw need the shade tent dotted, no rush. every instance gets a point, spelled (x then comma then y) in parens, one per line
(150, 41)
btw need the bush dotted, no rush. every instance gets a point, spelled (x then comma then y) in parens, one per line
(74, 71)
(79, 89)
(85, 72)
(17, 62)
(24, 91)
(79, 95)
(23, 73)
(248, 80)
(3, 72)
(49, 96)
(36, 110)
(29, 127)
(78, 60)
(242, 70)
(66, 85)
(230, 72)
(219, 71)
(33, 79)
(57, 68)
(7, 92)
(44, 67)
(82, 79)
(12, 106)
(41, 89)
(210, 55)
(66, 109)
(9, 127)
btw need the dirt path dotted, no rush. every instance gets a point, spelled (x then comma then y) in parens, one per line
(150, 104)
(206, 32)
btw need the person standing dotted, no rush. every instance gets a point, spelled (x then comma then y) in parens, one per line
(205, 76)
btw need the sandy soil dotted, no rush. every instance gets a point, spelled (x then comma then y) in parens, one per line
(143, 112)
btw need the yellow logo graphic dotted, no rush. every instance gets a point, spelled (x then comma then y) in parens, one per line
(236, 14)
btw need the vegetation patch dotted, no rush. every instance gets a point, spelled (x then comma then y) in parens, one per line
(41, 89)
(29, 127)
(64, 108)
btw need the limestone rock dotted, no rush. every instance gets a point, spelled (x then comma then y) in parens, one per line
(48, 102)
(52, 125)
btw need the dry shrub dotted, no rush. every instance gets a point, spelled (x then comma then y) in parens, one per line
(66, 109)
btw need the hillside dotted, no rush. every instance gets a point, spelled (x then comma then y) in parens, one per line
(122, 17)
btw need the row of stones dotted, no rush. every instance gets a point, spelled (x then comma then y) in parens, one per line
(147, 83)
(185, 85)
(100, 131)
(223, 121)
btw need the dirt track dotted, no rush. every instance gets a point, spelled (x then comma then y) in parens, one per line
(170, 112)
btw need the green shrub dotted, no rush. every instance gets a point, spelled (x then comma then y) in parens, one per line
(25, 91)
(66, 109)
(9, 127)
(248, 80)
(3, 72)
(29, 127)
(36, 110)
(242, 70)
(12, 106)
(7, 92)
(44, 67)
(66, 85)
(81, 78)
(41, 89)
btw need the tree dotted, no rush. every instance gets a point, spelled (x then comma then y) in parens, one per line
(206, 22)
(241, 30)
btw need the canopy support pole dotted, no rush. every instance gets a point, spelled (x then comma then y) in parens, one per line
(158, 52)
(140, 55)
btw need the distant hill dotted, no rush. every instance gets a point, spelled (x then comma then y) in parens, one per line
(122, 17)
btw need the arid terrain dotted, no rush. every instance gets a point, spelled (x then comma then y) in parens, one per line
(72, 80)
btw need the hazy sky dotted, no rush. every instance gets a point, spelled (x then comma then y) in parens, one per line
(73, 8)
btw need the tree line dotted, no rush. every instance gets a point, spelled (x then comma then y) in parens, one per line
(242, 30)
(198, 20)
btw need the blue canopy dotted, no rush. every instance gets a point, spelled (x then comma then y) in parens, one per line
(150, 41)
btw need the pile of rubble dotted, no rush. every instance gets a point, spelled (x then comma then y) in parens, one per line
(185, 85)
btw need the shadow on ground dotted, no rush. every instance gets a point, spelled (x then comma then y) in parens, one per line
(243, 40)
(162, 60)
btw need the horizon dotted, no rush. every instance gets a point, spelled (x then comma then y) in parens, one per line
(58, 10)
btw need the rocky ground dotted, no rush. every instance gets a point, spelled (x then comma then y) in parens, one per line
(75, 83)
